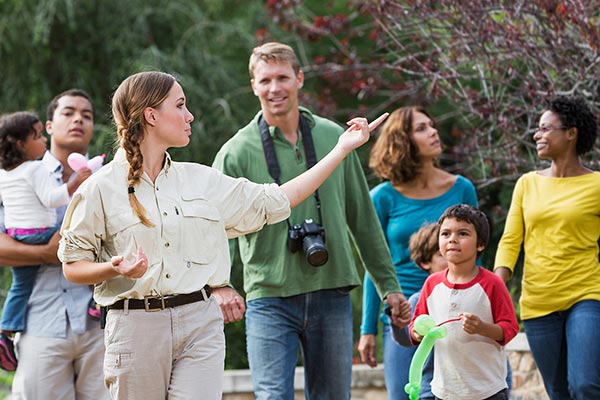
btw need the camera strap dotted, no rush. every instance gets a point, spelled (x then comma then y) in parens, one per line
(271, 156)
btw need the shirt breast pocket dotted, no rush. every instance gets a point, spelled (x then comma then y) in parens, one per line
(203, 234)
(123, 230)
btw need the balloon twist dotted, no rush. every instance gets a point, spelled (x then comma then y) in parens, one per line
(426, 327)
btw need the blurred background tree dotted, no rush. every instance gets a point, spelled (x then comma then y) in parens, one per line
(483, 69)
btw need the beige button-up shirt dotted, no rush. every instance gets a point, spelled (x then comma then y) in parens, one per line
(194, 209)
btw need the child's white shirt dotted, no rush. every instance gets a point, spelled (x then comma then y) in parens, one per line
(468, 367)
(30, 195)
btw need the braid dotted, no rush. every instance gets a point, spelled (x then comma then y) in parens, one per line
(132, 97)
(130, 142)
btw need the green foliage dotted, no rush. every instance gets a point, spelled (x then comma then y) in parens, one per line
(6, 379)
(54, 45)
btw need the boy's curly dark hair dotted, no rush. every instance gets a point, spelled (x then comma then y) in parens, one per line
(573, 111)
(473, 216)
(14, 127)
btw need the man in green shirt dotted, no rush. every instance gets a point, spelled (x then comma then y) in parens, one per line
(290, 301)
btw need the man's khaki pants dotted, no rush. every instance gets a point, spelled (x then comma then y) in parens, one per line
(67, 368)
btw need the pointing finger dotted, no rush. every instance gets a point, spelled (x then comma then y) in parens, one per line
(378, 121)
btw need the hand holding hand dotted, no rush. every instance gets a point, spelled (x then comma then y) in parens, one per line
(131, 270)
(399, 309)
(48, 251)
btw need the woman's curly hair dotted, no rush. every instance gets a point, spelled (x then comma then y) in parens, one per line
(394, 156)
(573, 111)
(15, 127)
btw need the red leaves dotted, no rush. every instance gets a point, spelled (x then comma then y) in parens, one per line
(492, 64)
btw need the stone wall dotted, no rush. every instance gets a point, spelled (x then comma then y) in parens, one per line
(527, 381)
(368, 383)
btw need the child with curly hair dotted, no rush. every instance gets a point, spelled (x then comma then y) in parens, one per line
(29, 196)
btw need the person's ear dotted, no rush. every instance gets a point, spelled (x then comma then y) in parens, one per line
(49, 127)
(20, 145)
(253, 88)
(300, 77)
(426, 266)
(150, 116)
(572, 133)
(480, 248)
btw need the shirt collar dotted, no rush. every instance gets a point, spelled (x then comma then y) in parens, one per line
(51, 163)
(306, 113)
(120, 156)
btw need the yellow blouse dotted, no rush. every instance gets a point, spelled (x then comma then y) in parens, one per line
(558, 222)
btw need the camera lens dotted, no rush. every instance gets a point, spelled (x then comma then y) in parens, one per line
(315, 250)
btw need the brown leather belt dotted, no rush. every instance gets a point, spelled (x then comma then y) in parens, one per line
(157, 303)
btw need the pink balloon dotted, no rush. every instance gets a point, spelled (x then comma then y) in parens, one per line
(76, 161)
(96, 162)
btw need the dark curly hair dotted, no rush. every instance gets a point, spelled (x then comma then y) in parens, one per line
(473, 216)
(15, 127)
(573, 111)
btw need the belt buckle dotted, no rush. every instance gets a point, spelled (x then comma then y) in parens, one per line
(147, 305)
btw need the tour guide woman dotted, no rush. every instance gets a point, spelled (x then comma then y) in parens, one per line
(151, 234)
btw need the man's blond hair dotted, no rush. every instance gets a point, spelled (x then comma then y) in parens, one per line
(273, 52)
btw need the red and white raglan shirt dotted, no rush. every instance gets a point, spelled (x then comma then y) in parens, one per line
(468, 366)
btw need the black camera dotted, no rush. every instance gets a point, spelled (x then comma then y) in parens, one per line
(311, 238)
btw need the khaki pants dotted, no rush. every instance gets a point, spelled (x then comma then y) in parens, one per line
(175, 353)
(60, 368)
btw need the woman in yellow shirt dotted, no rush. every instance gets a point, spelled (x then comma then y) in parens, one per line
(555, 215)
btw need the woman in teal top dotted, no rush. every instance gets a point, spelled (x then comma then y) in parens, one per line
(415, 193)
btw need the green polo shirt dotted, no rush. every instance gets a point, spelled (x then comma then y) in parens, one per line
(270, 269)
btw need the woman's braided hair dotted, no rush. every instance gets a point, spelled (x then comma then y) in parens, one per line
(132, 97)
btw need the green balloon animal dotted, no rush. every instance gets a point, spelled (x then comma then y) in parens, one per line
(426, 327)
